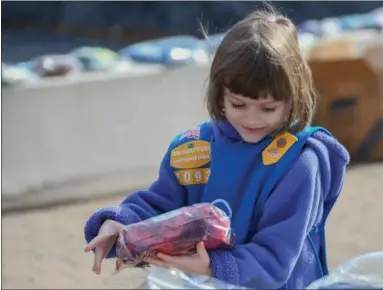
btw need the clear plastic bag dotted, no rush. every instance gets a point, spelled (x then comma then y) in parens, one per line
(174, 233)
(363, 272)
(161, 278)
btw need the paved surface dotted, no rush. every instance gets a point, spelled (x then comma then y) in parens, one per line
(44, 249)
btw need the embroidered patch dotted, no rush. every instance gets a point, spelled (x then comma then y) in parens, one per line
(191, 134)
(192, 154)
(278, 148)
(193, 176)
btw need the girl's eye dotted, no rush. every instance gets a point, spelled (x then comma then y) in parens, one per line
(237, 106)
(269, 109)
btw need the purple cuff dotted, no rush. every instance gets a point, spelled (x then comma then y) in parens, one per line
(121, 214)
(224, 267)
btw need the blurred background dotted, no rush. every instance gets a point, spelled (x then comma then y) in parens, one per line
(93, 92)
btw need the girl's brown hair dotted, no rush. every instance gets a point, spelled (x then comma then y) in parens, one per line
(261, 54)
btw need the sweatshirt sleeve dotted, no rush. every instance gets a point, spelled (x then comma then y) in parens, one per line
(164, 195)
(289, 214)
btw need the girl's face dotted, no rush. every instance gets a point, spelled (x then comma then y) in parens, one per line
(254, 119)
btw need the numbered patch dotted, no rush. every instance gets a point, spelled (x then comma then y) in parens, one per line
(193, 176)
(278, 148)
(192, 154)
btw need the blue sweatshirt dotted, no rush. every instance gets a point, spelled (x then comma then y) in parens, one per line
(283, 244)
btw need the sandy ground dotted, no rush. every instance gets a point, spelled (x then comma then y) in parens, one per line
(44, 249)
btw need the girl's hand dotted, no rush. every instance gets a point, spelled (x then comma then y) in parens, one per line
(104, 242)
(198, 263)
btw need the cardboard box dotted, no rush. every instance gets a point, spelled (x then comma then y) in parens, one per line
(348, 75)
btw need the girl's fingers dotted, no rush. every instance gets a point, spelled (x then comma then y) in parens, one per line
(103, 244)
(98, 257)
(165, 258)
(95, 242)
(201, 250)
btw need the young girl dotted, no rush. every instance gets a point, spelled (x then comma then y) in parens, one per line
(258, 159)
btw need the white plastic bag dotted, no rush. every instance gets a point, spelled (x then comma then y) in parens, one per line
(362, 272)
(161, 278)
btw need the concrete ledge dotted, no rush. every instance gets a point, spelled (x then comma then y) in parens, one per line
(69, 139)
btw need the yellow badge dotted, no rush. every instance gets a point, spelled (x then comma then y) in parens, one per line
(192, 154)
(193, 176)
(281, 143)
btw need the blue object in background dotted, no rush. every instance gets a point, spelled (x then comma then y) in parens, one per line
(167, 51)
(358, 21)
